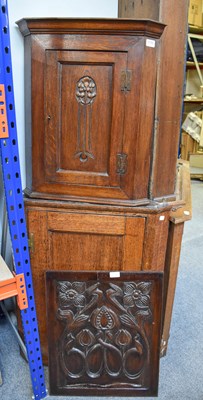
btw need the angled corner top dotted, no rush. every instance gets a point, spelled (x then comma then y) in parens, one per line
(100, 26)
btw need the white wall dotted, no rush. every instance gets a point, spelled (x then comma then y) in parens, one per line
(44, 8)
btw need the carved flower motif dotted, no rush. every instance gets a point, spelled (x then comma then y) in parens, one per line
(104, 318)
(71, 294)
(137, 294)
(86, 90)
(123, 338)
(85, 338)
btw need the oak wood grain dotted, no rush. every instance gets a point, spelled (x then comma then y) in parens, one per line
(83, 117)
(139, 9)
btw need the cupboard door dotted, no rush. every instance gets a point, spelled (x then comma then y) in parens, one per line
(97, 142)
(103, 333)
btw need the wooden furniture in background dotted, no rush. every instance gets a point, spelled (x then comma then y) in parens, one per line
(188, 146)
(178, 216)
(139, 9)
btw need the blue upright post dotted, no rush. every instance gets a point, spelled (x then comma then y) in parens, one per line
(15, 206)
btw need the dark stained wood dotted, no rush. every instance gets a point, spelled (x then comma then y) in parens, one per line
(103, 333)
(139, 9)
(94, 26)
(92, 104)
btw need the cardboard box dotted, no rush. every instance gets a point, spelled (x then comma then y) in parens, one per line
(195, 13)
(196, 160)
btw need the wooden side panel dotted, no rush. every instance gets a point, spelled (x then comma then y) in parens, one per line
(133, 243)
(171, 270)
(155, 242)
(169, 85)
(139, 118)
(37, 225)
(104, 333)
(139, 9)
(169, 96)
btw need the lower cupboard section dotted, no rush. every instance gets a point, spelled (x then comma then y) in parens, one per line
(84, 240)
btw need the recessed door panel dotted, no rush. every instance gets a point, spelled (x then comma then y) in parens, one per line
(85, 116)
(95, 242)
(85, 128)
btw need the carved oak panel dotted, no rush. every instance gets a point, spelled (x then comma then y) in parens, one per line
(104, 332)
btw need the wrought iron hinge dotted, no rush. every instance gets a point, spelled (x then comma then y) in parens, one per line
(126, 79)
(31, 242)
(122, 163)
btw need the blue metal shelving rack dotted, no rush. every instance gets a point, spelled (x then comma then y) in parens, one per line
(15, 207)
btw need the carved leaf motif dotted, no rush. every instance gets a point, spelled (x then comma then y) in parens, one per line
(117, 289)
(138, 347)
(127, 320)
(65, 314)
(145, 314)
(81, 318)
(92, 288)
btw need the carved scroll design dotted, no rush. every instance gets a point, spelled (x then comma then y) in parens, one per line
(86, 92)
(104, 333)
